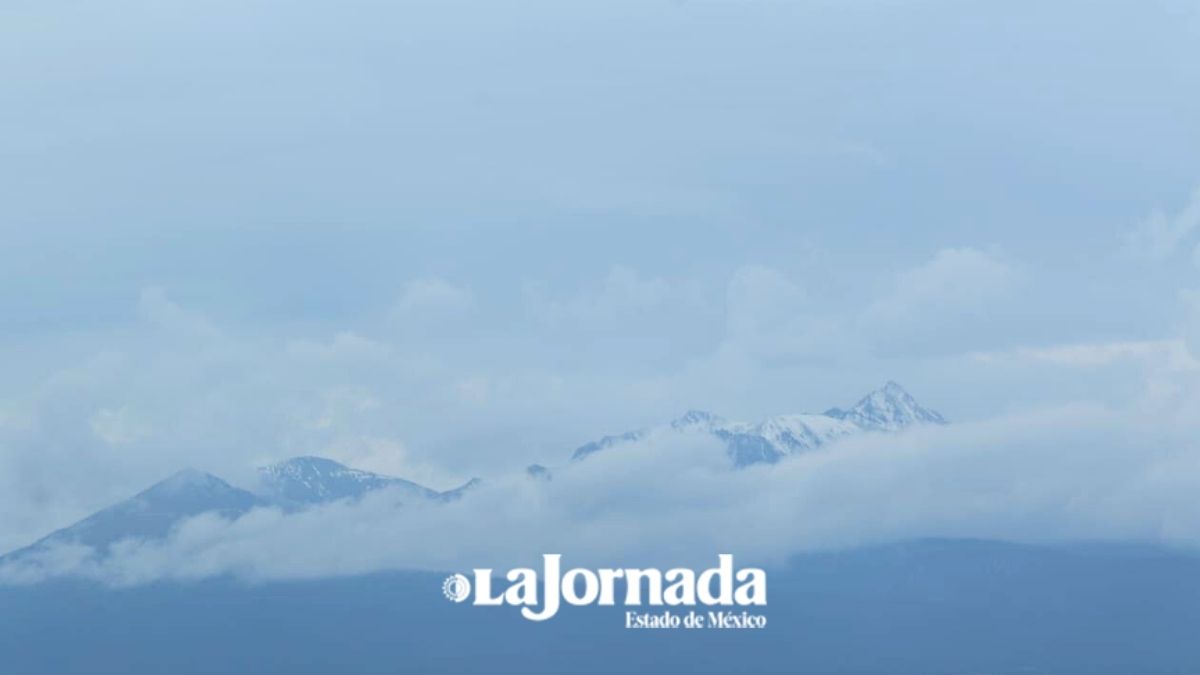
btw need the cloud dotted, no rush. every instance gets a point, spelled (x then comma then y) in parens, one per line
(158, 310)
(118, 427)
(625, 322)
(433, 296)
(1159, 235)
(951, 302)
(173, 390)
(1170, 354)
(430, 308)
(344, 346)
(769, 318)
(1190, 299)
(1078, 472)
(620, 297)
(759, 298)
(176, 388)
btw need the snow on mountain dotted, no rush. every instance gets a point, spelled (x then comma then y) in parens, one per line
(316, 480)
(887, 409)
(305, 481)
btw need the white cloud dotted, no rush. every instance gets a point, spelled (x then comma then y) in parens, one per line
(160, 311)
(1080, 472)
(223, 405)
(949, 302)
(954, 277)
(759, 298)
(622, 295)
(432, 300)
(769, 319)
(344, 346)
(1170, 354)
(1191, 321)
(80, 439)
(119, 426)
(1159, 235)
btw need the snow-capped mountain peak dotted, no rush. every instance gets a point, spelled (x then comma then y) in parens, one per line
(303, 482)
(696, 419)
(889, 408)
(315, 480)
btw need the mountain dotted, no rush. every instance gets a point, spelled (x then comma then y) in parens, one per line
(292, 485)
(458, 492)
(316, 480)
(887, 409)
(305, 481)
(152, 513)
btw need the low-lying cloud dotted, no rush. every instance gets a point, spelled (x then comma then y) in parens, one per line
(1082, 472)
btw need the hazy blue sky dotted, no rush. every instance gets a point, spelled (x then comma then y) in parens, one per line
(449, 238)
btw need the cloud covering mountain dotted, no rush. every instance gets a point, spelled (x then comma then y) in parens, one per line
(889, 408)
(1082, 472)
(307, 482)
(155, 513)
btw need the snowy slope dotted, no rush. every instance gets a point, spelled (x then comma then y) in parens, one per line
(887, 409)
(316, 480)
(305, 482)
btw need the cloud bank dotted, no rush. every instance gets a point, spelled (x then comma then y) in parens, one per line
(1081, 472)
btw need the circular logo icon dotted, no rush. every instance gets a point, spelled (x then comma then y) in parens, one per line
(456, 587)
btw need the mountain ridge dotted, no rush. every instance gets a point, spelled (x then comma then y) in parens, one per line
(294, 484)
(887, 409)
(308, 481)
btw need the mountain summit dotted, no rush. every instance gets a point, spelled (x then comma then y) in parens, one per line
(316, 480)
(152, 513)
(292, 485)
(305, 482)
(887, 409)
